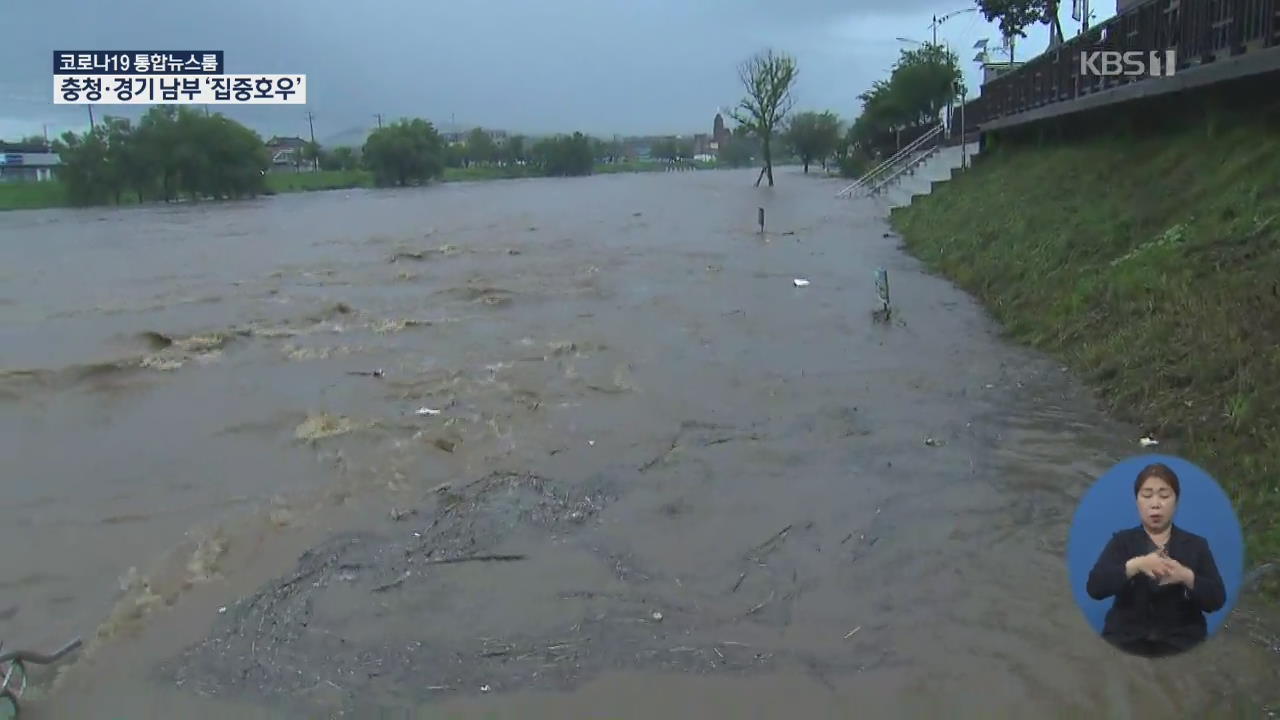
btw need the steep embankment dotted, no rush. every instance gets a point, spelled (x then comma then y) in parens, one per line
(1151, 266)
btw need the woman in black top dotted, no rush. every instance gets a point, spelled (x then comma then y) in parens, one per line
(1163, 578)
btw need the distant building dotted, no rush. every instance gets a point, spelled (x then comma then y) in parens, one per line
(459, 137)
(285, 151)
(27, 163)
(702, 144)
(719, 133)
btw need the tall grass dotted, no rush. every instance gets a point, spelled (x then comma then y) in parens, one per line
(1151, 266)
(30, 195)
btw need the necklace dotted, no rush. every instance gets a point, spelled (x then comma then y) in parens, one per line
(1161, 547)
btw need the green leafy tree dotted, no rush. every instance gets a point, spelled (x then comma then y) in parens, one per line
(455, 155)
(343, 158)
(406, 152)
(734, 153)
(1015, 16)
(768, 79)
(84, 168)
(172, 152)
(480, 147)
(923, 81)
(127, 160)
(813, 136)
(311, 153)
(664, 149)
(740, 149)
(564, 155)
(514, 151)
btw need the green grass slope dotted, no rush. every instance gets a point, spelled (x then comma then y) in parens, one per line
(1149, 265)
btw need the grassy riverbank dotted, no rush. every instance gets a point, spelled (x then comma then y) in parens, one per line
(23, 196)
(1150, 266)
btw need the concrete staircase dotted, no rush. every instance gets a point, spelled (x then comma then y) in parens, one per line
(919, 180)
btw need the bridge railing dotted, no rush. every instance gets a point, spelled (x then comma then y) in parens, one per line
(1198, 31)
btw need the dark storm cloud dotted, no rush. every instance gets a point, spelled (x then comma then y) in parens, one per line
(604, 67)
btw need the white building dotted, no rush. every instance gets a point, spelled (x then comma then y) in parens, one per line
(27, 164)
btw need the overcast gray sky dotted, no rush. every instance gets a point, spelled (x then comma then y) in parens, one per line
(600, 66)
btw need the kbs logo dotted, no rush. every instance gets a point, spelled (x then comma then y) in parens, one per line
(1113, 63)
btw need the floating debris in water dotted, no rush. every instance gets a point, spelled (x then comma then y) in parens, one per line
(155, 362)
(800, 282)
(397, 514)
(202, 343)
(1148, 441)
(382, 327)
(933, 443)
(426, 411)
(324, 425)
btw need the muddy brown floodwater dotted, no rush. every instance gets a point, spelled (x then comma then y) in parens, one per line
(547, 448)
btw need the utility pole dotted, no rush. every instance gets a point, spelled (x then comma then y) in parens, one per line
(379, 116)
(45, 128)
(935, 30)
(91, 125)
(310, 123)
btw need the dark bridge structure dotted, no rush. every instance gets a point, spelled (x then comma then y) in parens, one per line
(1214, 41)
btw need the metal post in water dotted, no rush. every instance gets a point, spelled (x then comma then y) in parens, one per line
(882, 289)
(760, 215)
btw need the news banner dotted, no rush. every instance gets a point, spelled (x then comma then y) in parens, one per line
(183, 77)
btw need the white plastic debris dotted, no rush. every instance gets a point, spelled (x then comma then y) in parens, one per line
(592, 443)
(657, 617)
(485, 688)
(425, 411)
(222, 610)
(800, 282)
(1148, 441)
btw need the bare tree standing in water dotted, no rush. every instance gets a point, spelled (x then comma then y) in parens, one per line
(768, 78)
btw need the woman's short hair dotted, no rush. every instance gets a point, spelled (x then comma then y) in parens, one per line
(1157, 470)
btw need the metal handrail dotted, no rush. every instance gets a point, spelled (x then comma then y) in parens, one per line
(905, 167)
(895, 158)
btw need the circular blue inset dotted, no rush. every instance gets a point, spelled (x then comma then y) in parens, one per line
(1108, 507)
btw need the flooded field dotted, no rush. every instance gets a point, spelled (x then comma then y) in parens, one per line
(546, 448)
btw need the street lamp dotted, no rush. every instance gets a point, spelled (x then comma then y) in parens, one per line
(937, 20)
